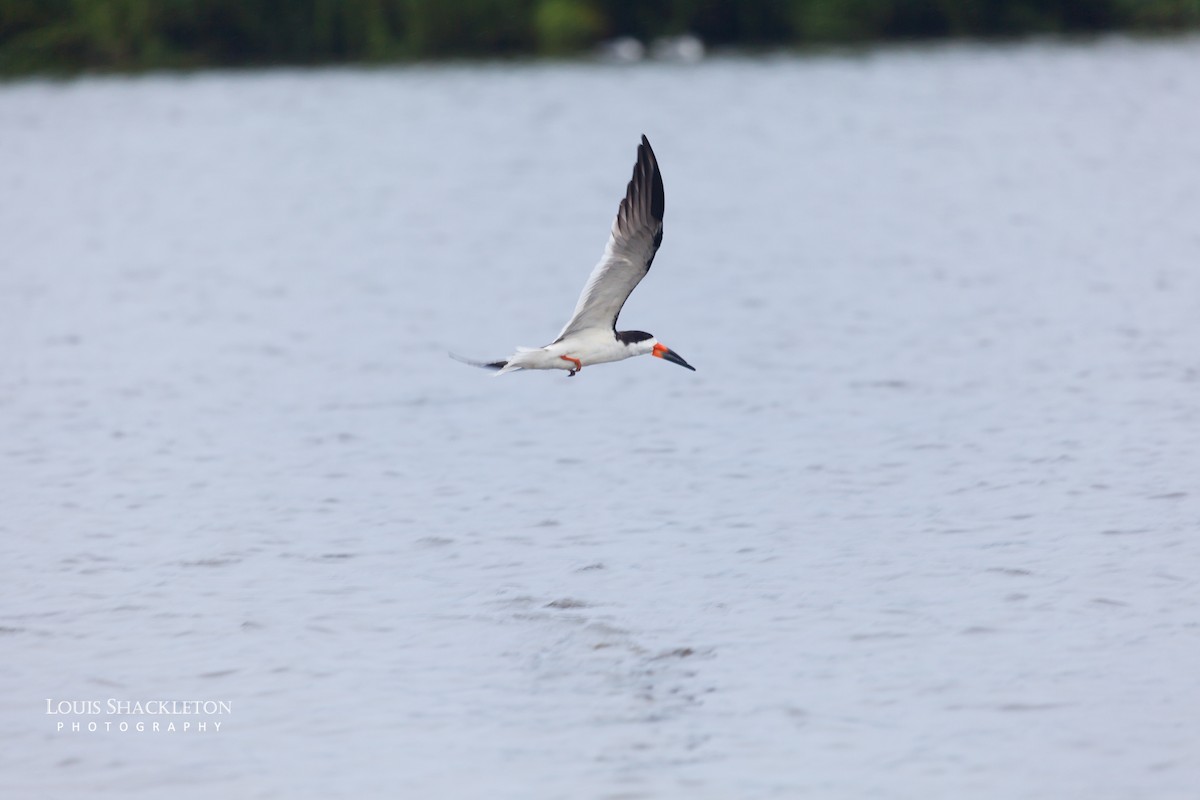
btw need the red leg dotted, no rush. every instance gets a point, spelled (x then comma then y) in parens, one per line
(578, 364)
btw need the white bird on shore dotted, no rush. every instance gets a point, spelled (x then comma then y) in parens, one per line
(591, 335)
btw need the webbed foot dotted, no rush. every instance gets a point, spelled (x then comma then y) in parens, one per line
(578, 365)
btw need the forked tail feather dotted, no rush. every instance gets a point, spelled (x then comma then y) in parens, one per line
(495, 366)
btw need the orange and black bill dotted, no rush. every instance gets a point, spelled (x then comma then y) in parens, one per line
(667, 354)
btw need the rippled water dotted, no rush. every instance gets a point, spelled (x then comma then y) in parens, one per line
(923, 524)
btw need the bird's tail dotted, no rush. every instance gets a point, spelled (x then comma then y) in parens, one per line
(497, 367)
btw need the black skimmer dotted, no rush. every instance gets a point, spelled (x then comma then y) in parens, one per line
(591, 335)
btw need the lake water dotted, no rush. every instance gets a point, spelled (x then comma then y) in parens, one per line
(923, 524)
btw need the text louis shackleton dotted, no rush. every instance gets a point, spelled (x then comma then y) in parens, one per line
(163, 707)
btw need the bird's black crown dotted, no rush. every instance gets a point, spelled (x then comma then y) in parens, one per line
(633, 337)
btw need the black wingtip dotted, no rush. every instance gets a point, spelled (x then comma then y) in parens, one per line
(649, 162)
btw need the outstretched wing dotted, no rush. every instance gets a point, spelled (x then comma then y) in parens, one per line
(635, 237)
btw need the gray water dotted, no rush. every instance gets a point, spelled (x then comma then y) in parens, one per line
(923, 523)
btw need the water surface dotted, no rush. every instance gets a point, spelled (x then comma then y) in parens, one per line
(923, 523)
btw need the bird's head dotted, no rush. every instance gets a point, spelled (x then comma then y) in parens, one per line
(642, 343)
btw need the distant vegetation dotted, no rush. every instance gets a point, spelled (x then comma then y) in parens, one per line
(72, 35)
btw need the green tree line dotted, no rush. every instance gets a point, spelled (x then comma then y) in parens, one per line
(72, 35)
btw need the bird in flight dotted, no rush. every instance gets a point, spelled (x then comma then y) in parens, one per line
(591, 335)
